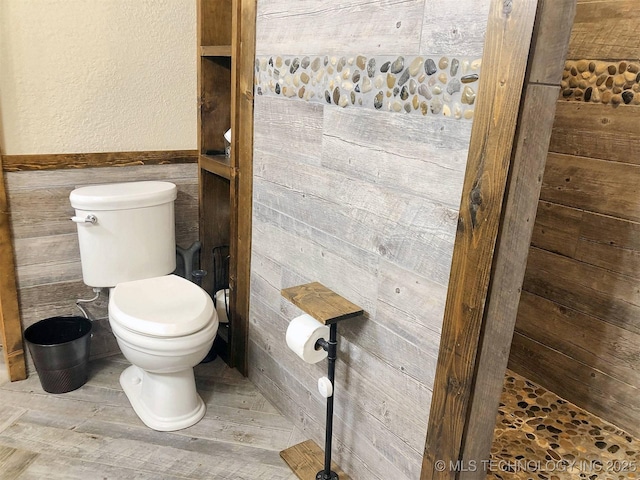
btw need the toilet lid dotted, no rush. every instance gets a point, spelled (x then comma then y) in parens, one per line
(167, 306)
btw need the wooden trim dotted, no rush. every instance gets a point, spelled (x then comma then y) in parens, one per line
(20, 163)
(499, 201)
(244, 47)
(10, 325)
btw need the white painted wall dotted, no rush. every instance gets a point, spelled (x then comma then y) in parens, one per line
(82, 76)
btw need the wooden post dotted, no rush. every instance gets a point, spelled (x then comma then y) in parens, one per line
(10, 326)
(509, 142)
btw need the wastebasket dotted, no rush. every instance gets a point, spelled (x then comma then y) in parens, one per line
(60, 347)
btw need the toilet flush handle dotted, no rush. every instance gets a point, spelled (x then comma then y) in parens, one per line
(92, 219)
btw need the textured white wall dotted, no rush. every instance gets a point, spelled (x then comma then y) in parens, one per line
(97, 75)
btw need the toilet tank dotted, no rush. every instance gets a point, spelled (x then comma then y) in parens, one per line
(132, 235)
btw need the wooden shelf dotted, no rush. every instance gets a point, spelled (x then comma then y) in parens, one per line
(215, 51)
(323, 304)
(226, 50)
(216, 164)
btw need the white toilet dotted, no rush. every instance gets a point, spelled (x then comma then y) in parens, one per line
(164, 324)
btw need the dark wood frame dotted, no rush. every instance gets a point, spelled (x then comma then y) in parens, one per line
(525, 48)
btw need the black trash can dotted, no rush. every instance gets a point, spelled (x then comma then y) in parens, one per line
(60, 347)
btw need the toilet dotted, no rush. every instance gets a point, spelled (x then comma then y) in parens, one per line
(164, 325)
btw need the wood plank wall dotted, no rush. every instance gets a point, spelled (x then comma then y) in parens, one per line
(365, 202)
(578, 327)
(49, 276)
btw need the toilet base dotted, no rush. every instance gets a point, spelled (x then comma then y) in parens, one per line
(164, 402)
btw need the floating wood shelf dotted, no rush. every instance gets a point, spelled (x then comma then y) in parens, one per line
(217, 164)
(306, 459)
(323, 304)
(215, 51)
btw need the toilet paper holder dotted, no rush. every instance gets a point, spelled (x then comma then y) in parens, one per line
(329, 308)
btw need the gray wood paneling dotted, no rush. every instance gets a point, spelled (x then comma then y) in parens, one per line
(366, 203)
(46, 247)
(348, 26)
(454, 28)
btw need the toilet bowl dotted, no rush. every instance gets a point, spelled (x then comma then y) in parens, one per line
(164, 324)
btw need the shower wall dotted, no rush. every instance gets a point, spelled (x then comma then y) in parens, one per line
(362, 125)
(578, 327)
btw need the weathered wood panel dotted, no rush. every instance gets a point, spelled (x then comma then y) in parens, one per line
(300, 123)
(601, 240)
(348, 26)
(610, 243)
(454, 28)
(592, 290)
(557, 228)
(430, 164)
(596, 131)
(605, 396)
(351, 455)
(364, 202)
(411, 231)
(610, 188)
(48, 268)
(573, 333)
(605, 29)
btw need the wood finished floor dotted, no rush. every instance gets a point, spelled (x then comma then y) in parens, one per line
(92, 432)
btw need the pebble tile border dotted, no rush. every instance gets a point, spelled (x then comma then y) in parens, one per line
(596, 81)
(540, 436)
(418, 85)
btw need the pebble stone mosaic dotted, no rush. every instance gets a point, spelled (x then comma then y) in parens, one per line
(540, 436)
(418, 85)
(596, 81)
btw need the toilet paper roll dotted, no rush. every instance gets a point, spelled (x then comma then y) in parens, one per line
(221, 306)
(302, 334)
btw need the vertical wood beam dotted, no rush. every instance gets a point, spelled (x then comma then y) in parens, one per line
(460, 428)
(10, 325)
(546, 61)
(244, 47)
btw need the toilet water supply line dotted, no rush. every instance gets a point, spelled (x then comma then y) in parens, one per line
(97, 291)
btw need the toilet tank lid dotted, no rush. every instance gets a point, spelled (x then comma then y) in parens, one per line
(120, 196)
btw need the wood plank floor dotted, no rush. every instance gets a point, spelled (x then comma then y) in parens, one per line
(92, 432)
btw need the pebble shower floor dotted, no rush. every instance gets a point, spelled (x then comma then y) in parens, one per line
(540, 436)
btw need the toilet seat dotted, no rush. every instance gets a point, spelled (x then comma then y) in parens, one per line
(167, 306)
